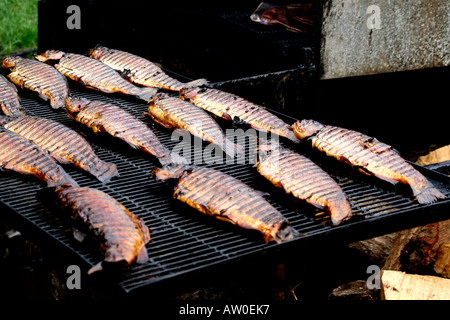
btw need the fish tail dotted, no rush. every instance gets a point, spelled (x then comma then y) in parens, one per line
(67, 182)
(104, 171)
(172, 159)
(231, 148)
(284, 233)
(426, 193)
(339, 211)
(196, 83)
(147, 93)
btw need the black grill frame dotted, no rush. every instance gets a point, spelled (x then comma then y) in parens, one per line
(185, 241)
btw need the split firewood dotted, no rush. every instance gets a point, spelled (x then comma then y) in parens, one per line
(397, 285)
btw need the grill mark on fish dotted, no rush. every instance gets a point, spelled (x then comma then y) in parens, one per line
(21, 155)
(39, 77)
(94, 74)
(229, 106)
(104, 117)
(9, 98)
(303, 179)
(122, 234)
(367, 154)
(172, 112)
(224, 197)
(62, 143)
(139, 70)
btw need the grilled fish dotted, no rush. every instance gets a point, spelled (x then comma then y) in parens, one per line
(9, 99)
(62, 143)
(22, 156)
(139, 70)
(122, 234)
(217, 194)
(232, 107)
(302, 178)
(39, 77)
(104, 117)
(93, 74)
(172, 112)
(367, 154)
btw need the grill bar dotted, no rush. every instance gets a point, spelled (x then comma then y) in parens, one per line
(183, 240)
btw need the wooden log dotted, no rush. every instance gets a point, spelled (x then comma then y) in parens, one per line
(422, 250)
(396, 285)
(354, 291)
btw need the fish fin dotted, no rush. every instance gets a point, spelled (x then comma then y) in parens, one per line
(105, 171)
(79, 235)
(97, 267)
(170, 171)
(59, 159)
(427, 194)
(385, 178)
(164, 124)
(142, 256)
(196, 83)
(147, 93)
(290, 135)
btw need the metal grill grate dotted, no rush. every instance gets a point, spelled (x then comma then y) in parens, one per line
(184, 240)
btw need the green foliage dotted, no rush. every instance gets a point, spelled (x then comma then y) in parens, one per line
(18, 25)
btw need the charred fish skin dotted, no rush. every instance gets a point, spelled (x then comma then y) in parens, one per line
(109, 118)
(302, 178)
(122, 234)
(62, 143)
(94, 74)
(39, 77)
(20, 155)
(9, 98)
(224, 197)
(172, 112)
(232, 107)
(139, 70)
(368, 154)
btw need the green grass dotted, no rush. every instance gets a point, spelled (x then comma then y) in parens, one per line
(18, 25)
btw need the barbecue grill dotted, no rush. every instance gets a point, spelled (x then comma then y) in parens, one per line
(239, 56)
(185, 241)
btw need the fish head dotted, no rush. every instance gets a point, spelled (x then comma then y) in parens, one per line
(75, 104)
(97, 52)
(49, 55)
(306, 128)
(10, 61)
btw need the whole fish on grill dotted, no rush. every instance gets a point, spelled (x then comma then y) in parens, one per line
(20, 155)
(172, 112)
(122, 234)
(39, 77)
(224, 197)
(62, 143)
(139, 70)
(232, 107)
(299, 176)
(367, 154)
(93, 74)
(109, 118)
(9, 99)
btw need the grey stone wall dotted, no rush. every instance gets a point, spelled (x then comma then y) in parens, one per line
(361, 37)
